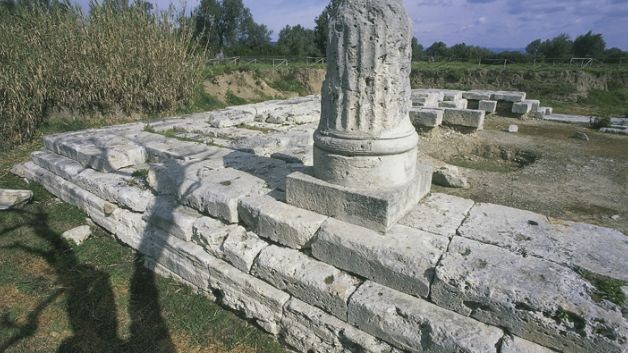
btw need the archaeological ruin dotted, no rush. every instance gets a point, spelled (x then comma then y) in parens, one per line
(313, 218)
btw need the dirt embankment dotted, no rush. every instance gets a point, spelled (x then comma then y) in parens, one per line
(564, 85)
(257, 85)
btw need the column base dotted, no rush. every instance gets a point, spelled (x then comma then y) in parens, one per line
(378, 210)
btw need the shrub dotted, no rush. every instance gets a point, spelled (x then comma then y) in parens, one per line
(110, 62)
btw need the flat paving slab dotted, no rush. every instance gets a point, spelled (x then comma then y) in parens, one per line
(602, 251)
(535, 299)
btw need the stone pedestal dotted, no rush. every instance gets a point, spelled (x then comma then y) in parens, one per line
(365, 148)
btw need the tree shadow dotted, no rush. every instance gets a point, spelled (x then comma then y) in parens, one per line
(90, 302)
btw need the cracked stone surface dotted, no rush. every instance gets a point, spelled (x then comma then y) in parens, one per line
(596, 249)
(439, 214)
(404, 258)
(416, 325)
(314, 282)
(535, 299)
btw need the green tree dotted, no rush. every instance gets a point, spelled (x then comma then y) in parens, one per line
(534, 49)
(417, 49)
(321, 31)
(559, 47)
(589, 45)
(297, 41)
(227, 24)
(438, 49)
(614, 55)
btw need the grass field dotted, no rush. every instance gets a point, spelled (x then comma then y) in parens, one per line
(97, 297)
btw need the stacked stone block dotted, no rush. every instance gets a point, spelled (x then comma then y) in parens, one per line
(451, 276)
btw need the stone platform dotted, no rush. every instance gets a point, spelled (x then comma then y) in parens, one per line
(202, 197)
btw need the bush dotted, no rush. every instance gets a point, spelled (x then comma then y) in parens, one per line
(113, 61)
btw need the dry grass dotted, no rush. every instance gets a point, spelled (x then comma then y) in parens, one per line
(110, 62)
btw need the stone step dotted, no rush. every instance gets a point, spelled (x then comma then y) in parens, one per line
(309, 329)
(417, 326)
(279, 222)
(533, 298)
(439, 214)
(123, 190)
(404, 258)
(314, 282)
(101, 151)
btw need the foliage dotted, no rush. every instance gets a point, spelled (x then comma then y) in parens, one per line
(228, 25)
(417, 49)
(52, 58)
(321, 30)
(296, 41)
(589, 45)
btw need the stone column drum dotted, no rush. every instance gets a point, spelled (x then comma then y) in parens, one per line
(365, 150)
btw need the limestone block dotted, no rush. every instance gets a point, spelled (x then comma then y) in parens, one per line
(404, 258)
(426, 117)
(478, 95)
(534, 103)
(220, 194)
(464, 117)
(439, 214)
(187, 260)
(417, 326)
(596, 249)
(459, 104)
(275, 220)
(452, 95)
(11, 198)
(242, 292)
(210, 234)
(535, 299)
(450, 176)
(100, 151)
(309, 329)
(513, 344)
(241, 249)
(508, 96)
(377, 210)
(97, 208)
(425, 99)
(488, 106)
(113, 187)
(160, 148)
(229, 117)
(212, 191)
(314, 282)
(172, 218)
(524, 107)
(130, 228)
(77, 235)
(62, 166)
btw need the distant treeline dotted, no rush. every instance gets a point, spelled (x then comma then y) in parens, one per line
(227, 27)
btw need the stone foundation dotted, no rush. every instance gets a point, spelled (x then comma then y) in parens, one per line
(452, 276)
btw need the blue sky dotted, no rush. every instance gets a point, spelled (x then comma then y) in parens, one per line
(488, 23)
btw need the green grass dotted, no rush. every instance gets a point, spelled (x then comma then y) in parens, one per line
(606, 288)
(232, 99)
(97, 297)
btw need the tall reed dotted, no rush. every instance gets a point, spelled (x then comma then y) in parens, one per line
(112, 61)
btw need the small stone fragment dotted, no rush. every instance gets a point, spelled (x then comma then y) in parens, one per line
(11, 198)
(581, 136)
(77, 235)
(449, 176)
(513, 129)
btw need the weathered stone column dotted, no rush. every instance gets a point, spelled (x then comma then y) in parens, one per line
(365, 144)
